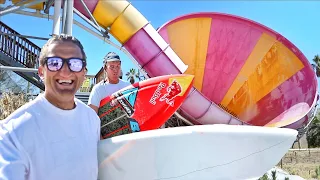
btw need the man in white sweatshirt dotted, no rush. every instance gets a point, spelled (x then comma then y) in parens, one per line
(112, 68)
(55, 136)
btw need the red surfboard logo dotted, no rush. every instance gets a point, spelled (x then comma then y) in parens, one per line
(173, 90)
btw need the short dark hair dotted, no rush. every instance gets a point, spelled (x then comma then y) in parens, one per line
(62, 38)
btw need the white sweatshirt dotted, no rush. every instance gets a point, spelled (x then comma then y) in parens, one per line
(40, 141)
(104, 89)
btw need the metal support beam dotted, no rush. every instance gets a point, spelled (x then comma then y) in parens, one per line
(23, 36)
(64, 16)
(30, 74)
(183, 119)
(49, 4)
(69, 17)
(56, 17)
(97, 27)
(88, 11)
(16, 8)
(20, 69)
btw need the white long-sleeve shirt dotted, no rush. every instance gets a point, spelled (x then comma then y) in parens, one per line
(40, 141)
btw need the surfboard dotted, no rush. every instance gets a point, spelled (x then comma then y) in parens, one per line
(145, 105)
(203, 152)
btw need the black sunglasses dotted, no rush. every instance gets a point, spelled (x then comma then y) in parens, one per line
(56, 63)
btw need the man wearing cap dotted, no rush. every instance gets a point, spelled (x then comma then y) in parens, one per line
(112, 67)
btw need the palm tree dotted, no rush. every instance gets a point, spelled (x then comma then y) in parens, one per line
(140, 76)
(316, 60)
(131, 75)
(313, 133)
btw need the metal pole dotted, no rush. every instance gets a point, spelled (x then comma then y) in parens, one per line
(69, 17)
(16, 8)
(64, 15)
(56, 17)
(88, 11)
(18, 69)
(23, 36)
(91, 23)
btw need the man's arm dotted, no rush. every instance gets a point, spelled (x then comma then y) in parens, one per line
(12, 164)
(94, 99)
(95, 108)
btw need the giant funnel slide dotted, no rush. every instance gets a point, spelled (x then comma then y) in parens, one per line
(247, 69)
(245, 73)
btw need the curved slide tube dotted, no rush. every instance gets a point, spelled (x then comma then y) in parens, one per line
(145, 44)
(240, 78)
(152, 52)
(137, 35)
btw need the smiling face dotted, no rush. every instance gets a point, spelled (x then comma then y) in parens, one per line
(61, 86)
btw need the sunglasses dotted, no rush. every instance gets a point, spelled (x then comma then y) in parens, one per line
(108, 58)
(113, 57)
(56, 63)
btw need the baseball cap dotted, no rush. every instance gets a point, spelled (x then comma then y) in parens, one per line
(111, 56)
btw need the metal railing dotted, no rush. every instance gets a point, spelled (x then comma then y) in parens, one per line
(18, 48)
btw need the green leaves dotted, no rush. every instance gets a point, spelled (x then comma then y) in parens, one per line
(316, 64)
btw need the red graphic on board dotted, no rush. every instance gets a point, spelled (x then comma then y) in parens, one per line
(173, 90)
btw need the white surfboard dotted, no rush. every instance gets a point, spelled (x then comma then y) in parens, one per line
(194, 152)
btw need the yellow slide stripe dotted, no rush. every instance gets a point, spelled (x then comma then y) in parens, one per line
(189, 39)
(124, 19)
(39, 6)
(259, 51)
(278, 65)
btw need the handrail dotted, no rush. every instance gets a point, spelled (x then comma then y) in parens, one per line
(19, 49)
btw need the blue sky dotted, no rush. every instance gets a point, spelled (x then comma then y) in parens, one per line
(298, 21)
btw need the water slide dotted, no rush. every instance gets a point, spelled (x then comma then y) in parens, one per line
(245, 73)
(249, 70)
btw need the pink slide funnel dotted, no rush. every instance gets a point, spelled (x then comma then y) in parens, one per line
(247, 69)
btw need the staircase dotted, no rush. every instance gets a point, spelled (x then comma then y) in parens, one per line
(83, 96)
(19, 52)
